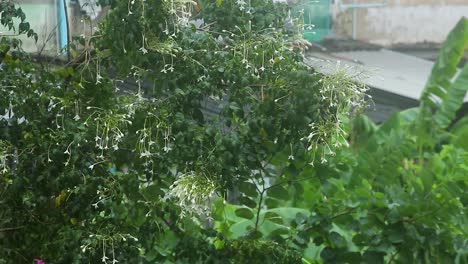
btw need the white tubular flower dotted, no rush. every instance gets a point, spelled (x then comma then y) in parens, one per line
(143, 50)
(241, 4)
(193, 193)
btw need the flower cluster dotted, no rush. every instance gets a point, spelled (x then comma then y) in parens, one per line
(241, 4)
(106, 243)
(324, 138)
(4, 149)
(193, 193)
(342, 91)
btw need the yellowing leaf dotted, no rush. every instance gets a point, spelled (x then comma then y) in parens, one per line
(60, 198)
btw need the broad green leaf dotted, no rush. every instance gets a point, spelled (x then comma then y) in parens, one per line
(337, 239)
(241, 228)
(445, 66)
(248, 189)
(346, 235)
(453, 100)
(217, 209)
(218, 243)
(289, 213)
(440, 93)
(312, 252)
(222, 211)
(460, 134)
(373, 257)
(399, 121)
(362, 129)
(274, 217)
(278, 192)
(269, 227)
(247, 202)
(427, 177)
(245, 213)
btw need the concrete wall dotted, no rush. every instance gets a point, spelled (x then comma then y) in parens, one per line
(43, 18)
(400, 21)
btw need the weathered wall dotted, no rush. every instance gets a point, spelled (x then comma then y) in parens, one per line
(400, 21)
(42, 16)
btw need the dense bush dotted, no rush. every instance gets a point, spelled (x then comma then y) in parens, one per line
(164, 142)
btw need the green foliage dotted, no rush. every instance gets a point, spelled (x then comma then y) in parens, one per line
(447, 85)
(386, 199)
(176, 144)
(459, 133)
(232, 15)
(97, 171)
(8, 14)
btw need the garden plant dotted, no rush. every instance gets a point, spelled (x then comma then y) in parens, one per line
(161, 141)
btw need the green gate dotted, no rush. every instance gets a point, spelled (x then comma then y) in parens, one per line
(316, 14)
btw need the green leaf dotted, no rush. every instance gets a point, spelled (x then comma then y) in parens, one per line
(271, 202)
(23, 27)
(373, 257)
(396, 235)
(453, 99)
(337, 239)
(248, 189)
(289, 214)
(247, 202)
(268, 228)
(273, 217)
(400, 121)
(241, 228)
(244, 213)
(153, 193)
(300, 218)
(362, 129)
(440, 93)
(217, 210)
(278, 192)
(427, 177)
(219, 243)
(459, 134)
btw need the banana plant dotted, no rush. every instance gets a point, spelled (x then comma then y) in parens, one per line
(440, 100)
(446, 88)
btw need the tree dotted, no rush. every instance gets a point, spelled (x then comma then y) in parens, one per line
(119, 159)
(123, 175)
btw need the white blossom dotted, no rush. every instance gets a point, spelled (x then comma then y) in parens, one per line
(193, 193)
(143, 50)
